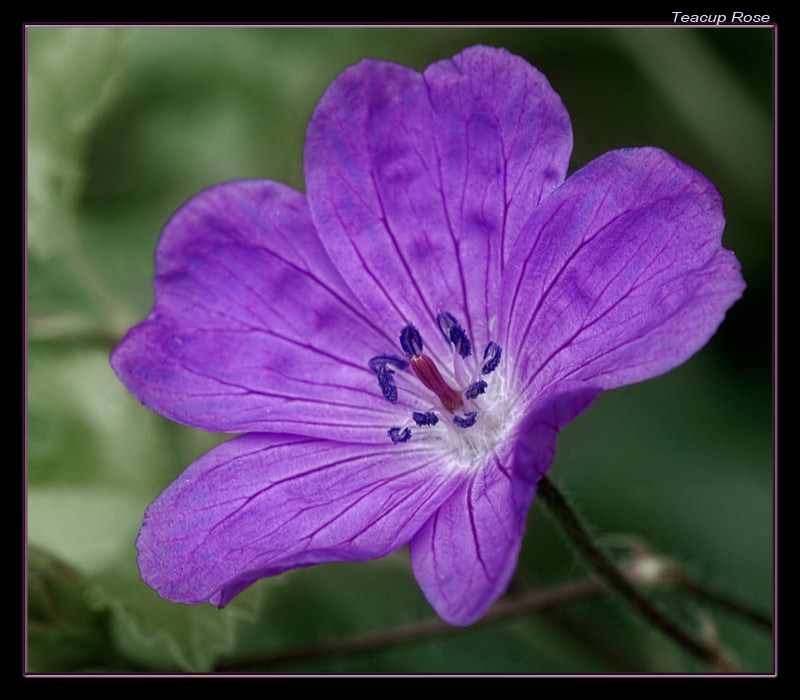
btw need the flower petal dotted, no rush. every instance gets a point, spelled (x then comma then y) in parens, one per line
(619, 275)
(260, 504)
(466, 553)
(419, 183)
(253, 328)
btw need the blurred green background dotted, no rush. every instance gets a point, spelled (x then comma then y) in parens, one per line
(125, 124)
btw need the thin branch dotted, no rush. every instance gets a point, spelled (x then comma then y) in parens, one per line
(723, 600)
(657, 569)
(425, 629)
(617, 581)
(644, 569)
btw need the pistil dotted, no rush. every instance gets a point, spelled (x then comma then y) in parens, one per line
(462, 403)
(428, 373)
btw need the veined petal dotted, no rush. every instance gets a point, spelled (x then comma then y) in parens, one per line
(419, 183)
(466, 553)
(619, 275)
(261, 504)
(252, 327)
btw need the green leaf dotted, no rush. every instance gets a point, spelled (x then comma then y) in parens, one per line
(63, 633)
(163, 635)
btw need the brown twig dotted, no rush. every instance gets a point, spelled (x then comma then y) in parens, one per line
(425, 629)
(616, 580)
(723, 600)
(645, 569)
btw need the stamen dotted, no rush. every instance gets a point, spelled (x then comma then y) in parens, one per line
(398, 435)
(454, 333)
(467, 421)
(411, 340)
(459, 337)
(446, 321)
(429, 388)
(385, 381)
(475, 389)
(460, 372)
(381, 360)
(428, 418)
(379, 365)
(491, 358)
(429, 375)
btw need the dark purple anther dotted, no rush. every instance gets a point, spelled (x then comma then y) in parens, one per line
(475, 389)
(491, 358)
(398, 435)
(380, 365)
(382, 360)
(454, 333)
(467, 421)
(428, 418)
(411, 340)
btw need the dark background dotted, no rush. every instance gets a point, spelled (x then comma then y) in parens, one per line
(125, 124)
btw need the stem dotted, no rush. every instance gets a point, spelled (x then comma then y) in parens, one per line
(623, 580)
(617, 581)
(724, 600)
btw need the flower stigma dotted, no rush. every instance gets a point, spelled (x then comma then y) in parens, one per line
(427, 372)
(458, 409)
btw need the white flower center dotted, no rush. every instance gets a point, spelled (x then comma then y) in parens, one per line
(464, 412)
(498, 414)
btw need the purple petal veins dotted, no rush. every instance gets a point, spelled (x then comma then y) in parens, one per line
(437, 209)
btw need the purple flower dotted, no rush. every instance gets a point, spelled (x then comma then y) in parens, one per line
(403, 343)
